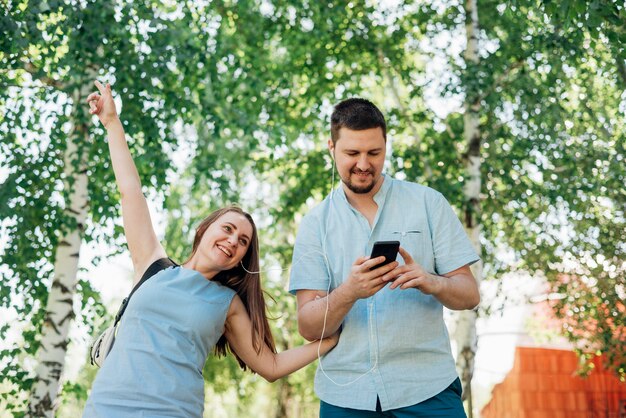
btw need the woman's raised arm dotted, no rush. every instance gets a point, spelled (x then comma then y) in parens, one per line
(143, 244)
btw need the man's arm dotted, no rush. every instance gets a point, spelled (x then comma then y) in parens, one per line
(320, 312)
(459, 290)
(456, 290)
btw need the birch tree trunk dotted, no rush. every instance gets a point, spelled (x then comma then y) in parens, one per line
(59, 308)
(285, 391)
(285, 399)
(465, 333)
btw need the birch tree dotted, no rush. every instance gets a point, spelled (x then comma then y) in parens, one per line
(529, 150)
(549, 89)
(504, 157)
(59, 181)
(59, 310)
(465, 331)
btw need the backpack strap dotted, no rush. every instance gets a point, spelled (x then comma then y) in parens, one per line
(154, 268)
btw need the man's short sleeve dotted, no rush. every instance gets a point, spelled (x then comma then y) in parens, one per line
(451, 245)
(308, 266)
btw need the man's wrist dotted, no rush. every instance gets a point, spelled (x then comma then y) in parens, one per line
(343, 295)
(441, 284)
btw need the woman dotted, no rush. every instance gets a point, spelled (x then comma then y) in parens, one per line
(213, 300)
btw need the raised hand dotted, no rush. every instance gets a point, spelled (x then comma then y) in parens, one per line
(102, 105)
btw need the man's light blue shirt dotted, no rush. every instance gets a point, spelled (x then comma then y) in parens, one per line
(395, 344)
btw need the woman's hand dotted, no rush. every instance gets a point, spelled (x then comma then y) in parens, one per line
(102, 104)
(328, 343)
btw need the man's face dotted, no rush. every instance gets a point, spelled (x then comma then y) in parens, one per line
(360, 157)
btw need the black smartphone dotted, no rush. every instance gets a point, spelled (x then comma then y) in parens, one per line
(387, 248)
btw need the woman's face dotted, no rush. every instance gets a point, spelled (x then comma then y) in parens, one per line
(226, 240)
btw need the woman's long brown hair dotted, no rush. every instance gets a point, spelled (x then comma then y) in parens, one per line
(247, 285)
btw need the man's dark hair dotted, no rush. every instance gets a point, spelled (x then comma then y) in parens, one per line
(356, 114)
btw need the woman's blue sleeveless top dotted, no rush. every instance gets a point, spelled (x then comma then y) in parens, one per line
(155, 366)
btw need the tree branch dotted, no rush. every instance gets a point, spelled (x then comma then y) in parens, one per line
(500, 80)
(403, 111)
(30, 68)
(608, 135)
(621, 69)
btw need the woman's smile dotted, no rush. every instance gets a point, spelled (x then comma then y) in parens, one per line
(225, 250)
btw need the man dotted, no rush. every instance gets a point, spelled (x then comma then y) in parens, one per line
(394, 353)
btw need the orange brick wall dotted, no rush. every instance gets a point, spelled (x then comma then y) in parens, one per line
(543, 384)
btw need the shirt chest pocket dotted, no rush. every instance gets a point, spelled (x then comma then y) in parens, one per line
(417, 241)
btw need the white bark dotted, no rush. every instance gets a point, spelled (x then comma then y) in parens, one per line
(465, 332)
(59, 308)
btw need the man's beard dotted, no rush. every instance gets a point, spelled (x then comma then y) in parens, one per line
(360, 189)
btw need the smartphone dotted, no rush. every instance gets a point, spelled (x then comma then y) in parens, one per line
(387, 248)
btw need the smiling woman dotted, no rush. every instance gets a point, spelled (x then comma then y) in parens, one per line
(228, 238)
(214, 300)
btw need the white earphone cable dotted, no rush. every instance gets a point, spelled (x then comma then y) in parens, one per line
(327, 265)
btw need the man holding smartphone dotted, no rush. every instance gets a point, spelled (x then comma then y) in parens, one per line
(393, 357)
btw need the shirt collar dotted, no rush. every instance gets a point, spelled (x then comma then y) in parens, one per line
(380, 195)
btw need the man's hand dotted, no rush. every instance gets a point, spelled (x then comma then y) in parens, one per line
(456, 290)
(363, 283)
(412, 275)
(319, 311)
